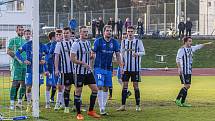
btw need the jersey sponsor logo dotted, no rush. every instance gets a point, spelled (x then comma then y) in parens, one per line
(111, 45)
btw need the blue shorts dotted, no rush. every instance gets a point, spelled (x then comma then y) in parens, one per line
(50, 80)
(103, 77)
(118, 73)
(28, 79)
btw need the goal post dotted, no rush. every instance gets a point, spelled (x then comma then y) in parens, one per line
(35, 48)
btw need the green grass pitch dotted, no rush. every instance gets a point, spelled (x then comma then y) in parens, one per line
(157, 95)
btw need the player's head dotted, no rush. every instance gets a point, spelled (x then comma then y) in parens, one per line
(51, 35)
(72, 36)
(187, 41)
(19, 30)
(83, 31)
(59, 35)
(100, 18)
(27, 34)
(188, 18)
(67, 33)
(130, 32)
(124, 36)
(107, 31)
(111, 19)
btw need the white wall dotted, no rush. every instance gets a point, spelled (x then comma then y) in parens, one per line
(206, 17)
(8, 18)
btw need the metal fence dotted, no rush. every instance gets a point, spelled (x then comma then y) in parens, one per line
(153, 18)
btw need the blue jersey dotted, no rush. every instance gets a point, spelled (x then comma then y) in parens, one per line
(49, 57)
(104, 53)
(27, 47)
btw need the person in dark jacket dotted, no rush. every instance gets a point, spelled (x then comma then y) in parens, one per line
(100, 26)
(181, 27)
(140, 31)
(94, 25)
(112, 23)
(119, 25)
(188, 26)
(127, 23)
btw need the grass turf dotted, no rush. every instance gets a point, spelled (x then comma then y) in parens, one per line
(157, 95)
(202, 58)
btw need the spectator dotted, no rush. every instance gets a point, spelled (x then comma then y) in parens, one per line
(181, 27)
(100, 25)
(119, 24)
(140, 31)
(94, 24)
(112, 23)
(127, 23)
(188, 26)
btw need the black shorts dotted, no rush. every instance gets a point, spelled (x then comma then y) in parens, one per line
(134, 75)
(84, 79)
(185, 78)
(67, 79)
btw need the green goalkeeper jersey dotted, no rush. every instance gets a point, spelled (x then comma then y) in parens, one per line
(14, 45)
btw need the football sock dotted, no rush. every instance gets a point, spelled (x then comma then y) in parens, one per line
(66, 97)
(92, 100)
(110, 91)
(47, 96)
(100, 99)
(105, 98)
(78, 104)
(137, 96)
(124, 95)
(12, 93)
(184, 95)
(53, 92)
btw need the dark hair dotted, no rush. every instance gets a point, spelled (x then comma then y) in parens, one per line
(106, 26)
(51, 34)
(58, 31)
(67, 28)
(130, 27)
(27, 30)
(19, 26)
(81, 27)
(185, 39)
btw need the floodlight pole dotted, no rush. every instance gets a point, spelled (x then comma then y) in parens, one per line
(35, 48)
(165, 19)
(72, 9)
(55, 7)
(116, 14)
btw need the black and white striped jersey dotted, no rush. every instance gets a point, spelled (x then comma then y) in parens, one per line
(63, 49)
(128, 48)
(185, 58)
(82, 50)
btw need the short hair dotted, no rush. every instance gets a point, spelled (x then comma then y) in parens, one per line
(130, 27)
(67, 28)
(51, 34)
(81, 27)
(106, 26)
(27, 30)
(19, 26)
(58, 31)
(185, 39)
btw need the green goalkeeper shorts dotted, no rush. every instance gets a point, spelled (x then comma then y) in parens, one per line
(18, 74)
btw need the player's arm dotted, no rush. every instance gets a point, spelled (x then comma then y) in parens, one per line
(10, 49)
(94, 50)
(178, 60)
(73, 57)
(57, 57)
(199, 46)
(19, 56)
(119, 60)
(118, 55)
(141, 51)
